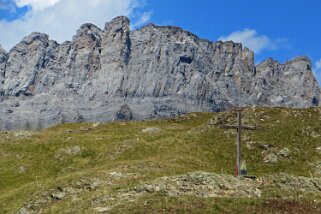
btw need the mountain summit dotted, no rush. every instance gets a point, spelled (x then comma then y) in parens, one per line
(114, 73)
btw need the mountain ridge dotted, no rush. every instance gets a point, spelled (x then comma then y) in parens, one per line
(152, 72)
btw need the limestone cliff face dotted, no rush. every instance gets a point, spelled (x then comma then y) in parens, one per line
(115, 73)
(291, 84)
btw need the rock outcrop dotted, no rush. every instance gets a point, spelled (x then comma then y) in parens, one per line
(152, 72)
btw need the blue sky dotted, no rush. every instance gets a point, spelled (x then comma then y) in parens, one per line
(281, 29)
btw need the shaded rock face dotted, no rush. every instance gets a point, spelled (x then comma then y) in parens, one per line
(3, 60)
(152, 72)
(124, 113)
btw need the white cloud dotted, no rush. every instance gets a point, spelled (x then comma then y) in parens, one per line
(318, 65)
(251, 39)
(317, 70)
(36, 4)
(61, 18)
(145, 17)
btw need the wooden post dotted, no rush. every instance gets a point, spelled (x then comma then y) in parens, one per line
(238, 143)
(239, 128)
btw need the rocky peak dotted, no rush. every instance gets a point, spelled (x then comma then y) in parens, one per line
(300, 63)
(269, 67)
(150, 72)
(35, 37)
(116, 43)
(3, 55)
(2, 51)
(88, 30)
(32, 42)
(291, 83)
(117, 24)
(268, 62)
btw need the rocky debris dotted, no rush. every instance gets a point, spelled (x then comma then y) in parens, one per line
(271, 158)
(274, 157)
(102, 209)
(285, 152)
(152, 72)
(116, 175)
(215, 121)
(22, 134)
(37, 204)
(204, 184)
(201, 184)
(265, 146)
(230, 133)
(97, 124)
(151, 130)
(75, 189)
(63, 153)
(311, 133)
(296, 183)
(58, 195)
(318, 149)
(87, 185)
(22, 169)
(120, 175)
(314, 135)
(62, 193)
(249, 144)
(23, 211)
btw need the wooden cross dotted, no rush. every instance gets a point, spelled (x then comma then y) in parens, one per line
(238, 128)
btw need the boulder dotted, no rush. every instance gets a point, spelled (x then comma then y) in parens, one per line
(271, 158)
(285, 152)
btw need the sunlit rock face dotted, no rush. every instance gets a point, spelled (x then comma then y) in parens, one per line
(114, 73)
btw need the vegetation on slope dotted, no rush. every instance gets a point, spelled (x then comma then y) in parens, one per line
(78, 167)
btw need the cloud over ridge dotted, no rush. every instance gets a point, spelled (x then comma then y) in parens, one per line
(256, 42)
(61, 18)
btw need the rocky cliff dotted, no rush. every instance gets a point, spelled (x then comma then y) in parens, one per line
(115, 73)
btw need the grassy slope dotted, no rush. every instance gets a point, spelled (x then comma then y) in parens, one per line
(186, 143)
